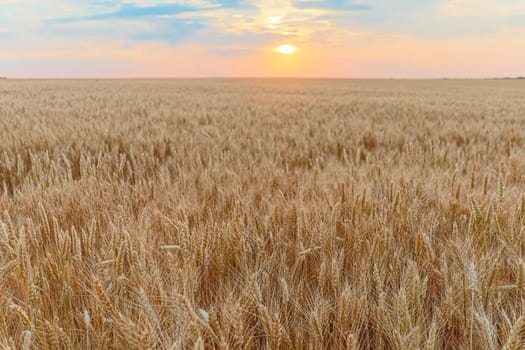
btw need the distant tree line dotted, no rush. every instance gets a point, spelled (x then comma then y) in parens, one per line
(509, 78)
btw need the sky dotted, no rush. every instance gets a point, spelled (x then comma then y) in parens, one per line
(238, 38)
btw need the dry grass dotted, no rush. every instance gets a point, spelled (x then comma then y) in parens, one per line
(262, 214)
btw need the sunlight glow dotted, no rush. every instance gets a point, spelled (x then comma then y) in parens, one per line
(286, 49)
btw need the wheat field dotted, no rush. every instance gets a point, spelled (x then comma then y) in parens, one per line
(262, 214)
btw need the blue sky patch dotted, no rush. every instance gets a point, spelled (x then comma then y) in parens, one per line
(172, 31)
(135, 12)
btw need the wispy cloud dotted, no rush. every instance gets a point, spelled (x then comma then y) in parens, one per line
(132, 11)
(483, 9)
(340, 5)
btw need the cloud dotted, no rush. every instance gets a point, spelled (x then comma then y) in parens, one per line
(485, 9)
(247, 40)
(135, 22)
(345, 5)
(132, 11)
(172, 22)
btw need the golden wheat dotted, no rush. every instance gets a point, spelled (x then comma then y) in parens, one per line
(262, 214)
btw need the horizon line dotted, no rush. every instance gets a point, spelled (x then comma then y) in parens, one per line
(261, 78)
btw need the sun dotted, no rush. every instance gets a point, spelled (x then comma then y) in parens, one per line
(286, 49)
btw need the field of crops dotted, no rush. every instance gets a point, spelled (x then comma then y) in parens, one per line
(262, 214)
